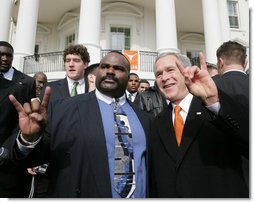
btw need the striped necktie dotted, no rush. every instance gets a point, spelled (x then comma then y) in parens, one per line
(130, 97)
(124, 173)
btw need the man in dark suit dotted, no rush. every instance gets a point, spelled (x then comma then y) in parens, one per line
(205, 159)
(76, 59)
(79, 139)
(10, 73)
(231, 62)
(12, 177)
(23, 85)
(132, 87)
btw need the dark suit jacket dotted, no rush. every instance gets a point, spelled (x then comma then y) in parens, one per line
(12, 183)
(28, 83)
(77, 152)
(8, 113)
(208, 162)
(236, 83)
(59, 89)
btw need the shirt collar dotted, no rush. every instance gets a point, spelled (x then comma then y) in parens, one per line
(9, 75)
(235, 70)
(108, 99)
(185, 103)
(80, 82)
(128, 93)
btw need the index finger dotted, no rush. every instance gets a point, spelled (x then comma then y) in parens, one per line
(180, 67)
(202, 61)
(46, 96)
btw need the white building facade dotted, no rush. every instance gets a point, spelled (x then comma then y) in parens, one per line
(38, 29)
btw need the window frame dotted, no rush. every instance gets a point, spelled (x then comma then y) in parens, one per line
(233, 16)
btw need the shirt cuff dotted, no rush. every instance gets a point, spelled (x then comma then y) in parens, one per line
(25, 149)
(215, 108)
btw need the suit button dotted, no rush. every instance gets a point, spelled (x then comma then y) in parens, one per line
(237, 125)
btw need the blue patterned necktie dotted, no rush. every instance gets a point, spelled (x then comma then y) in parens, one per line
(130, 97)
(124, 174)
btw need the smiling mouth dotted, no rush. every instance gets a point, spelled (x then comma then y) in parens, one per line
(169, 85)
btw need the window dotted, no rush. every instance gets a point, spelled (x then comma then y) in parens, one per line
(193, 56)
(120, 38)
(70, 40)
(233, 14)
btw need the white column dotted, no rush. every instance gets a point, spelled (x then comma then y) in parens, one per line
(212, 28)
(89, 28)
(5, 19)
(26, 31)
(166, 35)
(225, 29)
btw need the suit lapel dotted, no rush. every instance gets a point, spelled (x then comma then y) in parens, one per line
(193, 123)
(63, 88)
(90, 113)
(17, 76)
(166, 132)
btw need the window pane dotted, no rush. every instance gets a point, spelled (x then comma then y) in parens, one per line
(120, 38)
(113, 29)
(233, 22)
(70, 39)
(193, 56)
(127, 43)
(127, 32)
(117, 40)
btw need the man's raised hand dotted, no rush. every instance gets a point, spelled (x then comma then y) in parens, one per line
(32, 116)
(199, 82)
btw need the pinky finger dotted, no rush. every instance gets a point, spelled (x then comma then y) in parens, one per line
(16, 104)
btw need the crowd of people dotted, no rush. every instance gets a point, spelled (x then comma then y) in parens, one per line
(186, 136)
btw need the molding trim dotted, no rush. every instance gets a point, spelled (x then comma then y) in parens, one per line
(67, 18)
(192, 37)
(122, 8)
(43, 29)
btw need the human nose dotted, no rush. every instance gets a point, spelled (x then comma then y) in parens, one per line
(71, 62)
(3, 56)
(164, 76)
(110, 70)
